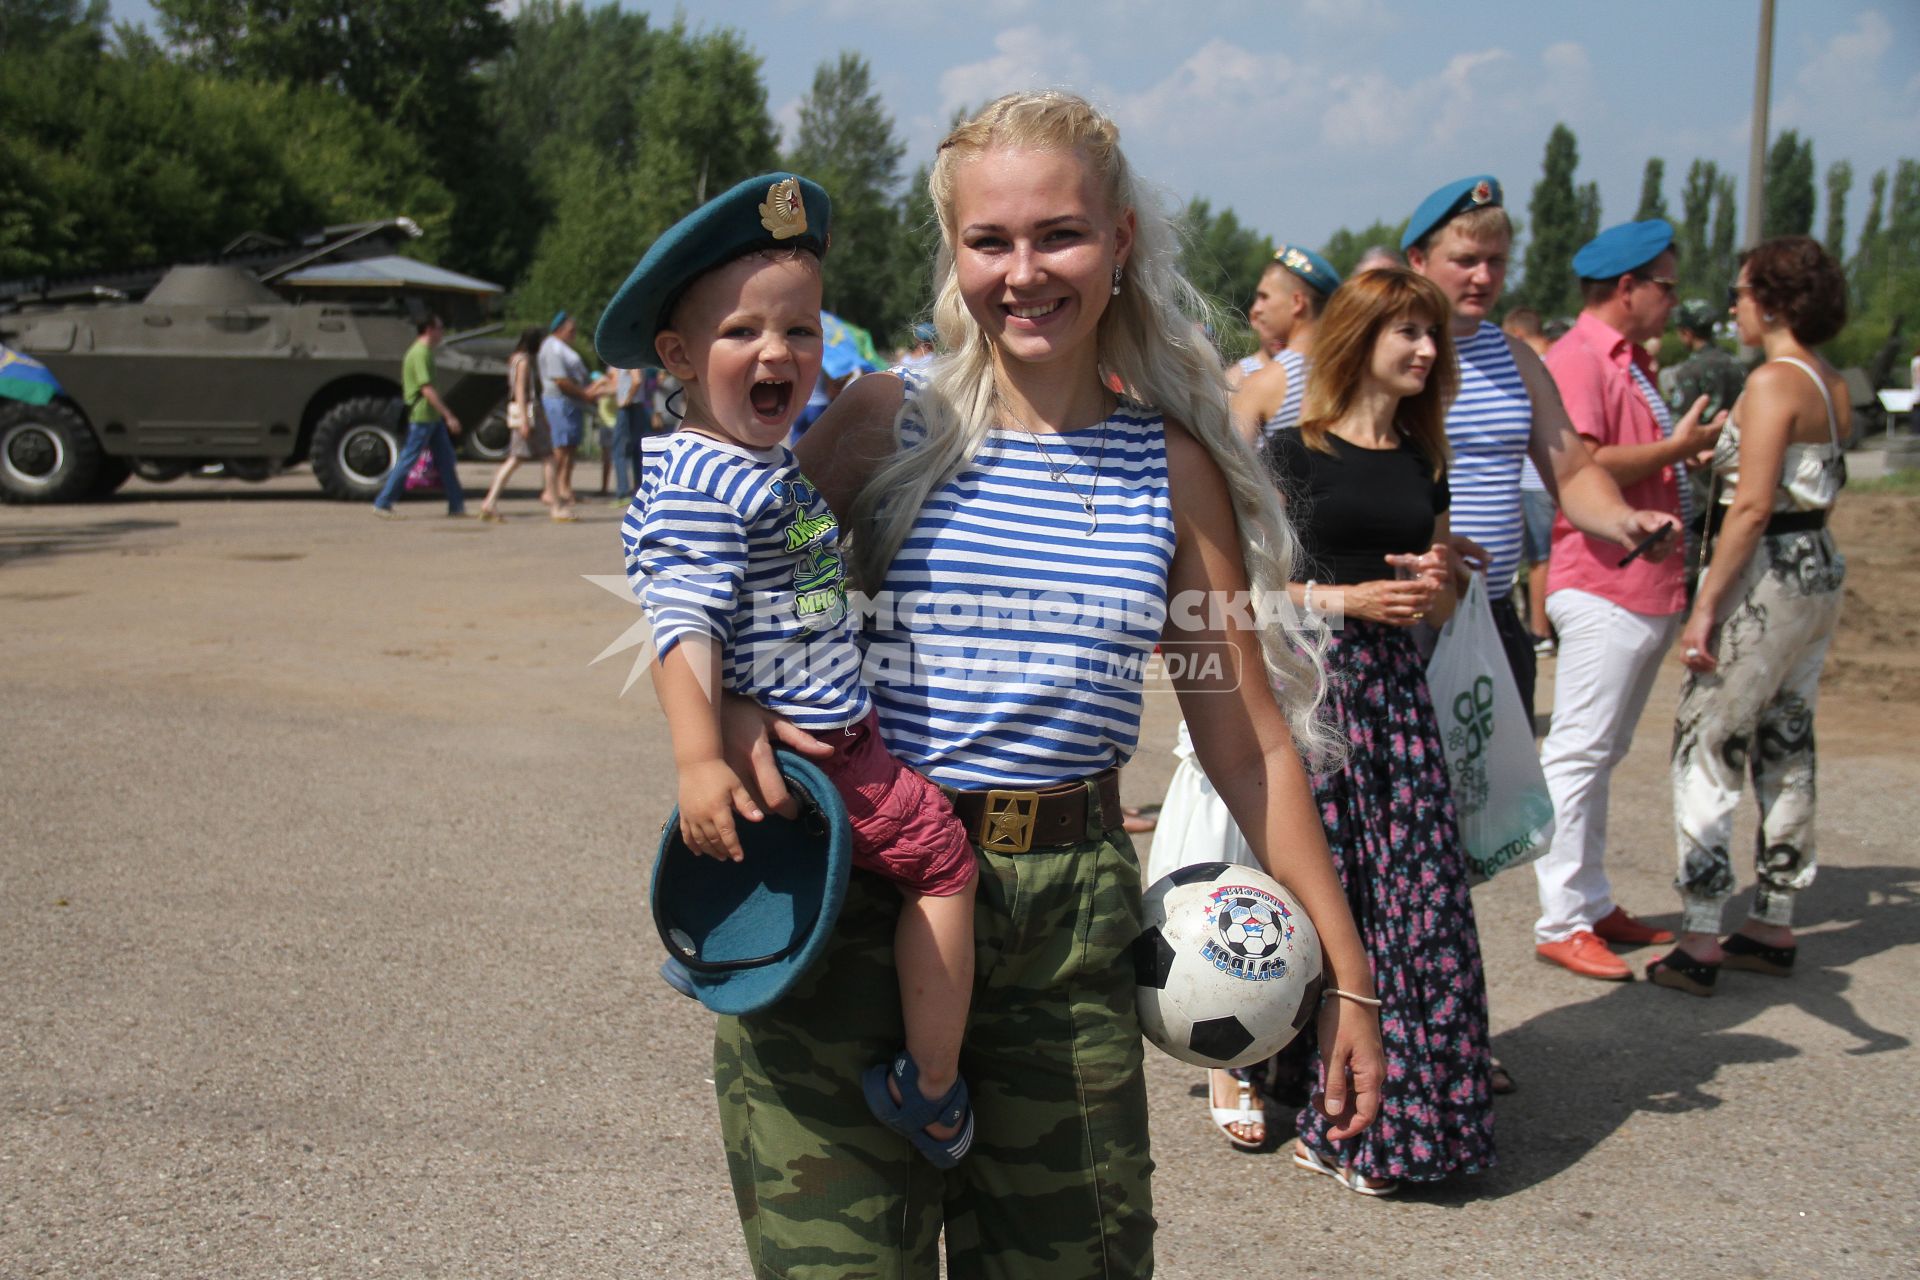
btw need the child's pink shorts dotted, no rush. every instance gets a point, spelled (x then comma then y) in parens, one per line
(903, 827)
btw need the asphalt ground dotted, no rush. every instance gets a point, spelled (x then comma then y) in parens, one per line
(323, 930)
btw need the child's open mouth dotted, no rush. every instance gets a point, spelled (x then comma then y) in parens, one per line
(771, 397)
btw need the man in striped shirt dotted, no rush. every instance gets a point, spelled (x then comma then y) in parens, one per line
(1507, 409)
(1615, 617)
(1293, 292)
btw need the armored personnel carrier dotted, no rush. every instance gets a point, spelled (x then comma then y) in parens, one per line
(226, 367)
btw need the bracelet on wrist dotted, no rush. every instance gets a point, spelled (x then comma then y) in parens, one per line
(1329, 993)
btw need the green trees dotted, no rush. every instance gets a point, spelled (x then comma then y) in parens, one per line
(1558, 215)
(117, 160)
(846, 143)
(1652, 203)
(411, 62)
(1343, 249)
(1839, 182)
(1789, 199)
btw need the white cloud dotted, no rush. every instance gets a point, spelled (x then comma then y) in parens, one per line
(1026, 57)
(1370, 110)
(1847, 94)
(1221, 91)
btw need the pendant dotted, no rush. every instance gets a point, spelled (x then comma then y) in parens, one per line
(1093, 518)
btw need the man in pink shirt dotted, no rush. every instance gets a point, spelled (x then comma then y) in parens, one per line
(1615, 619)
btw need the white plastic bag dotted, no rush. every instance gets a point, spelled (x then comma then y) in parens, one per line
(1500, 795)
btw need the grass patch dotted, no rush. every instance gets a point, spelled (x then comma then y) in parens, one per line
(1905, 482)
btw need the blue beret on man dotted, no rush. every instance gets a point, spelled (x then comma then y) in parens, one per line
(772, 211)
(1451, 201)
(1627, 247)
(1310, 267)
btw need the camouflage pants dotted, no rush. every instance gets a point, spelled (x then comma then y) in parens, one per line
(1057, 1182)
(1754, 715)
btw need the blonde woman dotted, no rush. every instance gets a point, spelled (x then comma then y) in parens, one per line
(1021, 532)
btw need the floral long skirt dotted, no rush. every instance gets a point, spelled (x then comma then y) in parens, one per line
(1390, 826)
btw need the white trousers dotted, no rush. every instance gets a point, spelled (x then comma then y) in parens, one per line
(1609, 657)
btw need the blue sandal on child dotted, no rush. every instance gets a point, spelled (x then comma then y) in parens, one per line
(915, 1111)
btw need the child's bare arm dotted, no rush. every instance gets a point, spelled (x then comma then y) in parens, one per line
(687, 682)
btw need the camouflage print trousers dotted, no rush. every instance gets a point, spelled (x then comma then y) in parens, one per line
(1755, 715)
(1057, 1182)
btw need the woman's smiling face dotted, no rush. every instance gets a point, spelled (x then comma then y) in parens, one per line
(1036, 251)
(1403, 354)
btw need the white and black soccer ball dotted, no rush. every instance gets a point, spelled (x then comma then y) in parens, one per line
(1228, 967)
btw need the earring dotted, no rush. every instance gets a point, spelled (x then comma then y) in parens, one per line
(1767, 316)
(1116, 280)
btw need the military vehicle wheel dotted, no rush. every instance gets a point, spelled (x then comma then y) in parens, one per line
(47, 454)
(251, 470)
(158, 470)
(486, 442)
(112, 474)
(354, 446)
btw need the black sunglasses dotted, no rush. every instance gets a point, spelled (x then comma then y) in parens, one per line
(1733, 293)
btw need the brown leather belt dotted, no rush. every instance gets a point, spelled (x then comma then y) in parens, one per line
(1003, 821)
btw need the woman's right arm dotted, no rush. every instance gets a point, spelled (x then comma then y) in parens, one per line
(841, 451)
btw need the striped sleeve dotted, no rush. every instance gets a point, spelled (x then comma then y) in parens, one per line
(686, 561)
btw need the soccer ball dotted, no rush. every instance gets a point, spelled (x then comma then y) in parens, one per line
(1228, 967)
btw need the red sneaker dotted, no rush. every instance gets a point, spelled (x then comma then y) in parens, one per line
(1623, 930)
(1586, 955)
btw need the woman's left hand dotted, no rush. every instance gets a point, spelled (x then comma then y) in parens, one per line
(1356, 1067)
(1698, 642)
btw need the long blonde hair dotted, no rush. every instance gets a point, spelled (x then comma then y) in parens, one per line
(1148, 341)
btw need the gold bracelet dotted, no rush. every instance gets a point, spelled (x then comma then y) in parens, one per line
(1330, 992)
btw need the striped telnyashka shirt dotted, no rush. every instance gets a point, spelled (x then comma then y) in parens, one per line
(1009, 645)
(734, 544)
(1489, 426)
(1287, 416)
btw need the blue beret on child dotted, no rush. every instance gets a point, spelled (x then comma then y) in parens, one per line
(1624, 248)
(772, 211)
(1449, 201)
(1309, 266)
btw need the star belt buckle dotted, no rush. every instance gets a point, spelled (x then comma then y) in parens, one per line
(1007, 825)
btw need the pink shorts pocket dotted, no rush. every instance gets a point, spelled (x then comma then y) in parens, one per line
(903, 826)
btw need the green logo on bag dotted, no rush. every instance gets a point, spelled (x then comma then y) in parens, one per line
(1467, 742)
(1473, 718)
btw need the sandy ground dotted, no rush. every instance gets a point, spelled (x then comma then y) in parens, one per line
(322, 921)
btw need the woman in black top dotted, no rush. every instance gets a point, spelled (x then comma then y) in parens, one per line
(1364, 476)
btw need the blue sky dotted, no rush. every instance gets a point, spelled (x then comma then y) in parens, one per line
(1308, 115)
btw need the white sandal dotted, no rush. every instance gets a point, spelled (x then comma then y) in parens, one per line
(1247, 1114)
(1313, 1162)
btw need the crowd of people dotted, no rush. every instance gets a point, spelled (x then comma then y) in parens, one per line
(1064, 432)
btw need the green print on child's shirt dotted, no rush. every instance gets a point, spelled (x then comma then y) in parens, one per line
(819, 578)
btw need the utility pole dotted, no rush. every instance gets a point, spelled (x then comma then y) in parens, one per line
(1757, 149)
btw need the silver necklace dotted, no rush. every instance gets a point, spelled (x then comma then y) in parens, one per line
(1058, 476)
